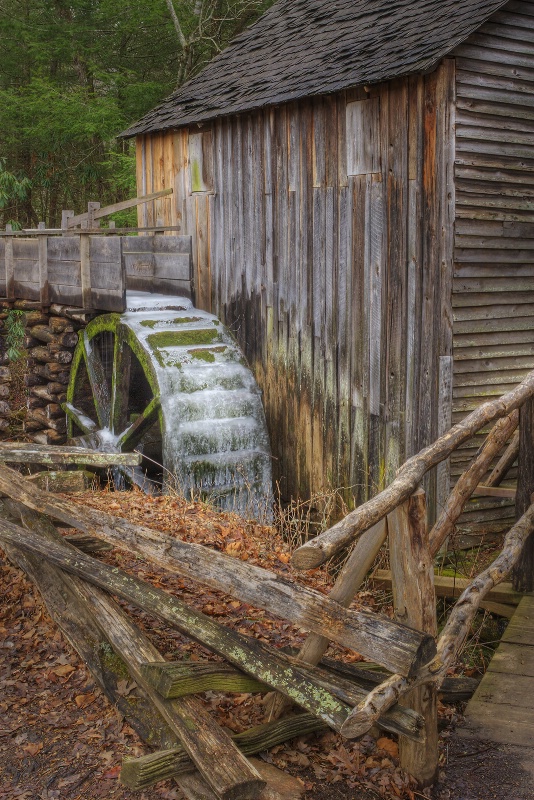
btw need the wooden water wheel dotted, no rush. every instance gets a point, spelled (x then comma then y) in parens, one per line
(172, 383)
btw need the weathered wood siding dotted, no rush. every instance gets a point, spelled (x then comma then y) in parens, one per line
(493, 295)
(322, 237)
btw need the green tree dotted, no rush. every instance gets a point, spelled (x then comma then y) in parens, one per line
(74, 73)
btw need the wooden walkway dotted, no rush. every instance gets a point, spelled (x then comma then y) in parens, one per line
(502, 708)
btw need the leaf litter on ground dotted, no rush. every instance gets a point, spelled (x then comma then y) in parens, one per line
(59, 737)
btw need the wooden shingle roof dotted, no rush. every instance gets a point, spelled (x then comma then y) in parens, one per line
(309, 47)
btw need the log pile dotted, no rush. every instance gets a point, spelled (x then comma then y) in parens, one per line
(50, 341)
(5, 377)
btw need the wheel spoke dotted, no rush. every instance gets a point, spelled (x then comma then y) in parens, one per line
(81, 420)
(91, 441)
(133, 434)
(120, 382)
(97, 379)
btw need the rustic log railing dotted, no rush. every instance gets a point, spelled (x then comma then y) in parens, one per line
(412, 549)
(414, 658)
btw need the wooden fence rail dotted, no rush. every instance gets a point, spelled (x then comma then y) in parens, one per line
(408, 647)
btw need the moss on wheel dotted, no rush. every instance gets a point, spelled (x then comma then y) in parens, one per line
(181, 338)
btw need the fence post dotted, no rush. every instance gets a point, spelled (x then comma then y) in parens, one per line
(85, 269)
(44, 289)
(10, 265)
(523, 572)
(92, 206)
(66, 214)
(412, 575)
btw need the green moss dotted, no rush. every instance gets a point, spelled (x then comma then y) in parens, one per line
(196, 179)
(112, 662)
(207, 355)
(202, 355)
(151, 323)
(181, 338)
(202, 470)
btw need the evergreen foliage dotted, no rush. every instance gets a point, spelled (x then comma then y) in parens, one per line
(74, 73)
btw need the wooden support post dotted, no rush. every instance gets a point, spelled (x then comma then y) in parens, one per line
(523, 572)
(66, 215)
(347, 584)
(443, 470)
(505, 462)
(92, 222)
(468, 482)
(10, 265)
(44, 289)
(415, 605)
(85, 267)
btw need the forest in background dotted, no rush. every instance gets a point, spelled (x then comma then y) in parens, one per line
(75, 74)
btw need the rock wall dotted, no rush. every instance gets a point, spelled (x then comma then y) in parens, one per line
(49, 341)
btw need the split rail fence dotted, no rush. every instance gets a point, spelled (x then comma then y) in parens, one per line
(83, 265)
(190, 747)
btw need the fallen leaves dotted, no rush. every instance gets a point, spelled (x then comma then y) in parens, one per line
(33, 748)
(84, 700)
(84, 740)
(64, 671)
(391, 747)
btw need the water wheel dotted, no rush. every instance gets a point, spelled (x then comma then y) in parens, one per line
(169, 381)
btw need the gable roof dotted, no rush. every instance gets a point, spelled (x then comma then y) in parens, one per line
(309, 47)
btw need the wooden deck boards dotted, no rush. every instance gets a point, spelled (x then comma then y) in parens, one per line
(501, 710)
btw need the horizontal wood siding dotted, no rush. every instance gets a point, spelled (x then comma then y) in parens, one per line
(332, 283)
(493, 291)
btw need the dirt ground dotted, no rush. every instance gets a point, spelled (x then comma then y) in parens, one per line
(61, 739)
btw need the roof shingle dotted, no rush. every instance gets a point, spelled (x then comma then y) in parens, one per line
(309, 47)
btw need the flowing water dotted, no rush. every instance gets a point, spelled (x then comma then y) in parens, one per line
(215, 441)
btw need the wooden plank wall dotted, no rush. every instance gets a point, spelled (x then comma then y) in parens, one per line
(493, 298)
(335, 285)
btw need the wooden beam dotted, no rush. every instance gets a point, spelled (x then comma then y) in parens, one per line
(21, 453)
(494, 491)
(447, 586)
(218, 759)
(370, 634)
(468, 482)
(414, 602)
(505, 462)
(179, 678)
(9, 264)
(87, 231)
(523, 572)
(44, 287)
(141, 773)
(72, 222)
(347, 584)
(85, 270)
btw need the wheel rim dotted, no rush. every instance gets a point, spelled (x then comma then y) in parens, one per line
(171, 381)
(113, 402)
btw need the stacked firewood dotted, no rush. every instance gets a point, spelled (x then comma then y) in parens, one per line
(50, 341)
(5, 379)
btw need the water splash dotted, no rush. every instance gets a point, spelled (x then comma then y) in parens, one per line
(215, 441)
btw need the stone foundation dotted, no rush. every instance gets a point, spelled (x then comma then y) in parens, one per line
(50, 338)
